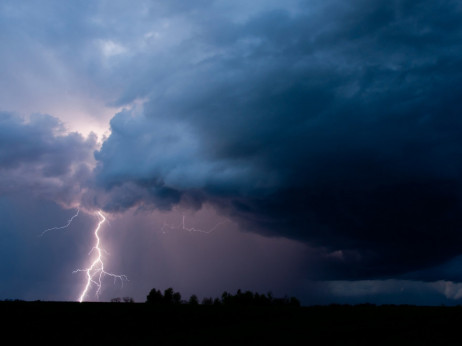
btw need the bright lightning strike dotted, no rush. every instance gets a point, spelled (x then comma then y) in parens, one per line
(62, 227)
(95, 272)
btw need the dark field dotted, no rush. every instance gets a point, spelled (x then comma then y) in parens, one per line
(132, 324)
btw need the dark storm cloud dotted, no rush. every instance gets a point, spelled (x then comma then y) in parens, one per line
(38, 157)
(337, 125)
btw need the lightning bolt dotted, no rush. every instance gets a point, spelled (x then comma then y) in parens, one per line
(96, 272)
(61, 227)
(192, 229)
(183, 227)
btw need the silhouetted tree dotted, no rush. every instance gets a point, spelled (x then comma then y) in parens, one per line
(207, 301)
(168, 295)
(128, 300)
(193, 300)
(115, 300)
(246, 298)
(294, 302)
(176, 298)
(226, 298)
(154, 297)
(249, 298)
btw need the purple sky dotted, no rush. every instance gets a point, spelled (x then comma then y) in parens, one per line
(319, 140)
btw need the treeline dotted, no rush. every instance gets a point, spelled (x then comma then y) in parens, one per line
(247, 298)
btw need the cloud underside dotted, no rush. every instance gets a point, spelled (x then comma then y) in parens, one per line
(338, 128)
(39, 158)
(333, 124)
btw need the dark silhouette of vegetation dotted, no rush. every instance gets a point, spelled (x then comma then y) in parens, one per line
(246, 298)
(168, 298)
(124, 299)
(207, 301)
(193, 300)
(38, 322)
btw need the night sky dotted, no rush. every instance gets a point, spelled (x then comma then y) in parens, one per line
(309, 148)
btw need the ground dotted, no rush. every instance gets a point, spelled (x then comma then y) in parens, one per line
(140, 324)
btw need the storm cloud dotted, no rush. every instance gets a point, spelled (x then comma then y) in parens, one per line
(38, 157)
(326, 132)
(332, 123)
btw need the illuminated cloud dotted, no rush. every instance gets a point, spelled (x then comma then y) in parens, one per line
(37, 156)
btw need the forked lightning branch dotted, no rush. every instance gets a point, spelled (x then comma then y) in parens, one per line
(95, 273)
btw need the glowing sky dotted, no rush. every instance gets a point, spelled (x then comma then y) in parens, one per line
(325, 133)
